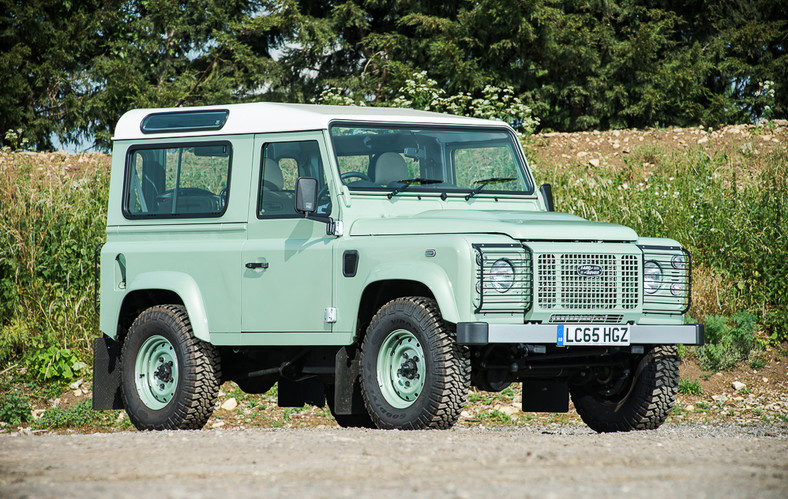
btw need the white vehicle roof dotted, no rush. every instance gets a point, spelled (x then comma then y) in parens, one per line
(266, 117)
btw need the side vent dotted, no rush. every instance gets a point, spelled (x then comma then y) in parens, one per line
(350, 263)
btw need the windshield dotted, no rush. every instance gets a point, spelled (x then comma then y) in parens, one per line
(397, 159)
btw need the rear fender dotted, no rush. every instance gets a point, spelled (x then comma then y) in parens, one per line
(186, 288)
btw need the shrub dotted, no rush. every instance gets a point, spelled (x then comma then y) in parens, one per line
(15, 408)
(729, 340)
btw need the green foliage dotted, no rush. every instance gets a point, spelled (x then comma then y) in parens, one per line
(757, 363)
(77, 416)
(688, 387)
(15, 408)
(729, 340)
(50, 223)
(422, 92)
(494, 417)
(55, 364)
(578, 65)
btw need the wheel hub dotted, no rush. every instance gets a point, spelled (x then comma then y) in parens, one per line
(156, 372)
(409, 369)
(401, 368)
(164, 371)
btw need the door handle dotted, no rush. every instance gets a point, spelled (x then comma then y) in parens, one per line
(257, 265)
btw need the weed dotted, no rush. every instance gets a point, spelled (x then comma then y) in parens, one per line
(706, 376)
(757, 363)
(701, 407)
(288, 413)
(476, 396)
(79, 415)
(15, 408)
(494, 417)
(688, 387)
(56, 364)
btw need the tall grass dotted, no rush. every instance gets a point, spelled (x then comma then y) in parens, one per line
(728, 207)
(50, 222)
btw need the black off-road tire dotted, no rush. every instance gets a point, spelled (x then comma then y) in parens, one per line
(446, 367)
(643, 406)
(198, 372)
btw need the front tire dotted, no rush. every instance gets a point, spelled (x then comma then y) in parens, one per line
(169, 378)
(643, 404)
(414, 375)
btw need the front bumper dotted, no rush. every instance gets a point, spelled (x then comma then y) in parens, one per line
(482, 333)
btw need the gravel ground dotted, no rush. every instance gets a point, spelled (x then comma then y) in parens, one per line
(532, 461)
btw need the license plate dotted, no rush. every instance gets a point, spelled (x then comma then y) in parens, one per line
(592, 335)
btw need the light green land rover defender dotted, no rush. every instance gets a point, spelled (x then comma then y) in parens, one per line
(382, 261)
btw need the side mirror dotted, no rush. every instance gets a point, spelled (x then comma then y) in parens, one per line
(547, 195)
(306, 195)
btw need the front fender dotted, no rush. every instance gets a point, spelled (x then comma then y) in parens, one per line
(185, 287)
(431, 275)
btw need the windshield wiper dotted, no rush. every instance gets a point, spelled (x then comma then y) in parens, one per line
(410, 181)
(485, 182)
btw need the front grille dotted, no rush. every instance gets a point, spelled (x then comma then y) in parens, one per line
(584, 281)
(586, 318)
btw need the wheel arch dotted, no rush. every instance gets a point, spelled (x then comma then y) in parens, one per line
(396, 281)
(160, 288)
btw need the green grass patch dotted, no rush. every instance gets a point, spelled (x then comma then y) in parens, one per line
(688, 387)
(80, 415)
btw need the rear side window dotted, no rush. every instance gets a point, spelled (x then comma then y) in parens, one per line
(167, 181)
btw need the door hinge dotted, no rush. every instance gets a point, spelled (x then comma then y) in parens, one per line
(331, 315)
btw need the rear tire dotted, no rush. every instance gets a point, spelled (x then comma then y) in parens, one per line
(169, 378)
(643, 404)
(414, 375)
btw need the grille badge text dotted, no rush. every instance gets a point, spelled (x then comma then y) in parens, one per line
(589, 270)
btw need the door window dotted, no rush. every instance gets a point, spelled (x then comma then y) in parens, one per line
(282, 164)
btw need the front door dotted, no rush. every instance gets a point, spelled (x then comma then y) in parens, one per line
(287, 274)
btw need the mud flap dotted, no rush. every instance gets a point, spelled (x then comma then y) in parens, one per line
(347, 389)
(106, 374)
(545, 396)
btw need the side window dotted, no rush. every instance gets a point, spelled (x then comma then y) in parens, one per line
(177, 181)
(283, 163)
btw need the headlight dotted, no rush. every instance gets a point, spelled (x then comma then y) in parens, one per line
(678, 262)
(652, 277)
(502, 275)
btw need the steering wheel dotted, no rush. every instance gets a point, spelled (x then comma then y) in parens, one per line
(222, 198)
(360, 175)
(324, 190)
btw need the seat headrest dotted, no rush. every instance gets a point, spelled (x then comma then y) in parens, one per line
(273, 174)
(390, 168)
